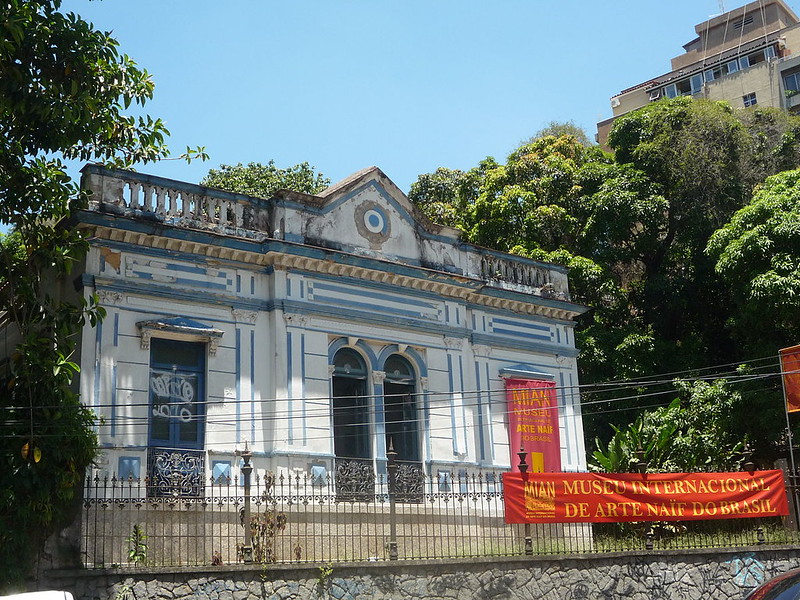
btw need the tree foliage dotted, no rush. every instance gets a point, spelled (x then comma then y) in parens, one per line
(262, 181)
(695, 432)
(561, 128)
(633, 228)
(65, 93)
(758, 256)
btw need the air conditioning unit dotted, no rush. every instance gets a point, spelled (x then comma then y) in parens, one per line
(614, 102)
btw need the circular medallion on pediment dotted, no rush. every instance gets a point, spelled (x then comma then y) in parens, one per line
(372, 222)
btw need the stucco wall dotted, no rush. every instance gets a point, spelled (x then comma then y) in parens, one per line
(685, 576)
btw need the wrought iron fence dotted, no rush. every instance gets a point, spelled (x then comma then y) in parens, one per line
(299, 517)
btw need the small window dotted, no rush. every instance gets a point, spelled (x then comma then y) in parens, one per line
(319, 475)
(791, 81)
(697, 83)
(129, 467)
(348, 363)
(749, 99)
(671, 91)
(709, 75)
(732, 66)
(221, 472)
(443, 479)
(744, 62)
(769, 52)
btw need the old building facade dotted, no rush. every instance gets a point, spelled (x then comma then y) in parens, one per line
(317, 330)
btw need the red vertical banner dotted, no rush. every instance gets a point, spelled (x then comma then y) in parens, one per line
(533, 424)
(790, 368)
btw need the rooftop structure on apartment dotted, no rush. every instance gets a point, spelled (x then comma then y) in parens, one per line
(749, 56)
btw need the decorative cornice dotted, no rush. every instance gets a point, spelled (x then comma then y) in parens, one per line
(454, 342)
(481, 350)
(460, 287)
(109, 297)
(294, 320)
(244, 316)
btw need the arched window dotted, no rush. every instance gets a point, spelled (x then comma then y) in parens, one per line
(351, 422)
(400, 407)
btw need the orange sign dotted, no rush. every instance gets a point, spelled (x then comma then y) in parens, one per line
(533, 423)
(616, 497)
(790, 367)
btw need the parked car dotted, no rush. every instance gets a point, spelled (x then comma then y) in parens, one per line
(782, 587)
(50, 595)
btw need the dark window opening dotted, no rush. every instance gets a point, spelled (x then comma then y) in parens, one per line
(401, 414)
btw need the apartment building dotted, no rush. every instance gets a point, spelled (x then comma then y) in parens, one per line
(749, 56)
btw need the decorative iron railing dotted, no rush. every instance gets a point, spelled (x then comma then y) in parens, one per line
(295, 517)
(176, 473)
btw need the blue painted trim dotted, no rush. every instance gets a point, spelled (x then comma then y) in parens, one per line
(278, 246)
(371, 307)
(410, 353)
(380, 423)
(288, 287)
(522, 325)
(238, 368)
(562, 413)
(181, 281)
(479, 398)
(454, 437)
(113, 401)
(303, 386)
(197, 270)
(302, 288)
(252, 386)
(142, 288)
(527, 372)
(98, 341)
(490, 406)
(528, 347)
(289, 390)
(293, 237)
(384, 321)
(388, 297)
(361, 345)
(464, 427)
(116, 329)
(426, 407)
(500, 331)
(252, 285)
(238, 284)
(387, 288)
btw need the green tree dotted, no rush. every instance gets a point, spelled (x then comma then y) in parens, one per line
(633, 229)
(560, 128)
(65, 93)
(695, 432)
(262, 181)
(757, 255)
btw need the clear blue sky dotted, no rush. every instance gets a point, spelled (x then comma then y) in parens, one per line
(407, 85)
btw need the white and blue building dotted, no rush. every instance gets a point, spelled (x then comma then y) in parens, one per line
(315, 329)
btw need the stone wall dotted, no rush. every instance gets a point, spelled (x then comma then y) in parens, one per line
(681, 575)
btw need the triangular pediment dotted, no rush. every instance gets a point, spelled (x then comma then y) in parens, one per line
(366, 213)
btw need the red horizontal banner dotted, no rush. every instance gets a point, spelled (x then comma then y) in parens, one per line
(616, 497)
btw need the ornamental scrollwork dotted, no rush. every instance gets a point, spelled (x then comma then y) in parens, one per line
(355, 480)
